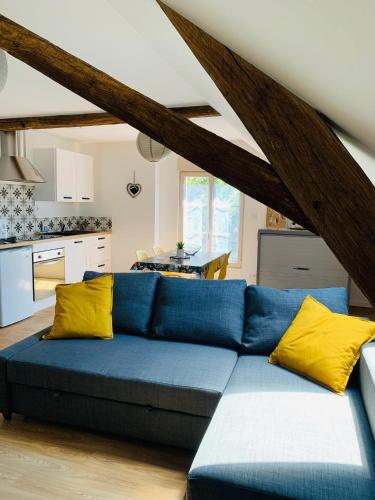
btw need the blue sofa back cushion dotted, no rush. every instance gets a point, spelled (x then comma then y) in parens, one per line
(133, 301)
(200, 311)
(270, 311)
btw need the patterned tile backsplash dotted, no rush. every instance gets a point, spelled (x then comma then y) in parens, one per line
(17, 206)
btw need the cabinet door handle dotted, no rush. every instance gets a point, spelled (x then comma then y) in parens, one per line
(100, 248)
(79, 241)
(85, 198)
(301, 268)
(67, 197)
(101, 238)
(101, 265)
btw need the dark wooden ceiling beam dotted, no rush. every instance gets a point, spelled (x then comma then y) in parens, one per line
(90, 119)
(324, 179)
(223, 159)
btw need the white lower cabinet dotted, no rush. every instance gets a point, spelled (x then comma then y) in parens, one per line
(75, 260)
(91, 253)
(99, 253)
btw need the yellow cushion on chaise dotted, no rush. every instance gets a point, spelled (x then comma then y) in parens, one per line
(322, 345)
(83, 310)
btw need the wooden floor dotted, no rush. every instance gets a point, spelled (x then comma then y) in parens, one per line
(46, 461)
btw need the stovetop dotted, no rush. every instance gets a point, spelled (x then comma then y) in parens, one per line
(12, 240)
(42, 237)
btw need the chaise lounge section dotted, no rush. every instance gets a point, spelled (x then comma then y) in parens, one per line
(277, 435)
(179, 371)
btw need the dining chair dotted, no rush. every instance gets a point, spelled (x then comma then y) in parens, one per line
(212, 269)
(158, 250)
(141, 255)
(215, 266)
(224, 267)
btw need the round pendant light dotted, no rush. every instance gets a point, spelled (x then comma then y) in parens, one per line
(3, 69)
(151, 150)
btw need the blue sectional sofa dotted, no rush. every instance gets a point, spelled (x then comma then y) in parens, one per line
(188, 367)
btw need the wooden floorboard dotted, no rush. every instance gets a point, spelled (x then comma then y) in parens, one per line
(39, 460)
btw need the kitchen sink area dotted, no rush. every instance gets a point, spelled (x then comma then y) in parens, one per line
(73, 232)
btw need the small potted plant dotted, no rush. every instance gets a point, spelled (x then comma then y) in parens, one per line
(180, 249)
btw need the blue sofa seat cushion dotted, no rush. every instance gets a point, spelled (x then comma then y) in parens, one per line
(129, 369)
(277, 435)
(200, 311)
(270, 311)
(133, 301)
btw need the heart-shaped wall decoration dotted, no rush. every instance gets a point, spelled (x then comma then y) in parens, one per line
(133, 189)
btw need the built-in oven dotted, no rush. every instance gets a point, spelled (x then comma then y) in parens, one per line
(49, 271)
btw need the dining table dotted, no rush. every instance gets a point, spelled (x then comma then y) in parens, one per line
(197, 264)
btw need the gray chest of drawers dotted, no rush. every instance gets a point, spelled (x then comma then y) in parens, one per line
(300, 259)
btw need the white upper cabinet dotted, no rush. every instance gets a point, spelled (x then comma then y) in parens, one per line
(68, 175)
(85, 178)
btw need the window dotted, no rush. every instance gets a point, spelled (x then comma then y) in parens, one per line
(211, 214)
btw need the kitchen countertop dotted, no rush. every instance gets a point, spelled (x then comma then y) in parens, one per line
(28, 243)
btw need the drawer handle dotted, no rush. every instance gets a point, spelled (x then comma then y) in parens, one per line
(79, 241)
(101, 265)
(301, 268)
(85, 198)
(67, 197)
(101, 238)
(100, 248)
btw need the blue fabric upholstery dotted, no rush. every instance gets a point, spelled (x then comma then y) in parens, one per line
(205, 312)
(133, 300)
(276, 434)
(269, 313)
(5, 356)
(143, 422)
(130, 369)
(367, 381)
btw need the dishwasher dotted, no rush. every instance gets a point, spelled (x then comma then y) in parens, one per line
(16, 285)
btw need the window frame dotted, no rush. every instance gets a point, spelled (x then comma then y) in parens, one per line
(211, 183)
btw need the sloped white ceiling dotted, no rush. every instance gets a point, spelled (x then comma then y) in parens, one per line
(95, 32)
(322, 50)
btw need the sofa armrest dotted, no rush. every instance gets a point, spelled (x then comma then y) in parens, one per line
(5, 355)
(367, 381)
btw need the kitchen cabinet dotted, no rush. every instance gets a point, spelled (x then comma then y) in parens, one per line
(99, 253)
(85, 178)
(69, 175)
(88, 253)
(65, 175)
(75, 259)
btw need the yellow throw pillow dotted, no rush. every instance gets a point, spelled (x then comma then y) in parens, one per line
(322, 345)
(83, 310)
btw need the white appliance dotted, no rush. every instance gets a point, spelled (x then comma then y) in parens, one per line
(49, 271)
(16, 285)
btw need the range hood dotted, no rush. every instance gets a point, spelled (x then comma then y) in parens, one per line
(14, 166)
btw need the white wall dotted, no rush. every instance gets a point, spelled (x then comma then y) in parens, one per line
(167, 201)
(39, 139)
(133, 219)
